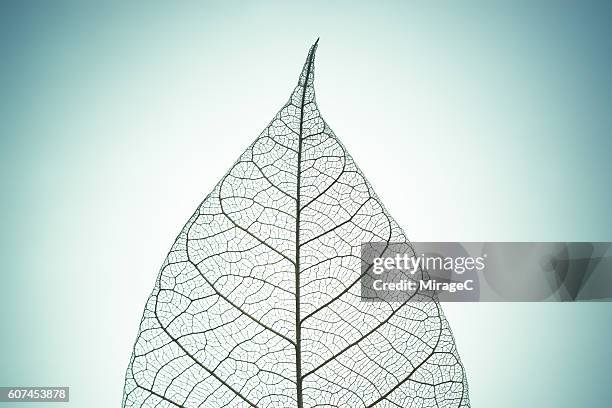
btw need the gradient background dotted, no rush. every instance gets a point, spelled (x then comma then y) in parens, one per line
(487, 121)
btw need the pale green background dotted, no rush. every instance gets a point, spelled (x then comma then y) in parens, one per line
(485, 121)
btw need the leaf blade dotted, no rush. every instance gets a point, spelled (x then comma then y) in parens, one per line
(257, 303)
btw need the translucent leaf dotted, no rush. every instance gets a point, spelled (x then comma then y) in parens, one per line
(258, 302)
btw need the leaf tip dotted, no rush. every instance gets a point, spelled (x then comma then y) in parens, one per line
(307, 74)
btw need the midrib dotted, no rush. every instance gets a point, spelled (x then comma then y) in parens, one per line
(298, 329)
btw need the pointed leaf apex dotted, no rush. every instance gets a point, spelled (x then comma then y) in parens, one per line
(307, 75)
